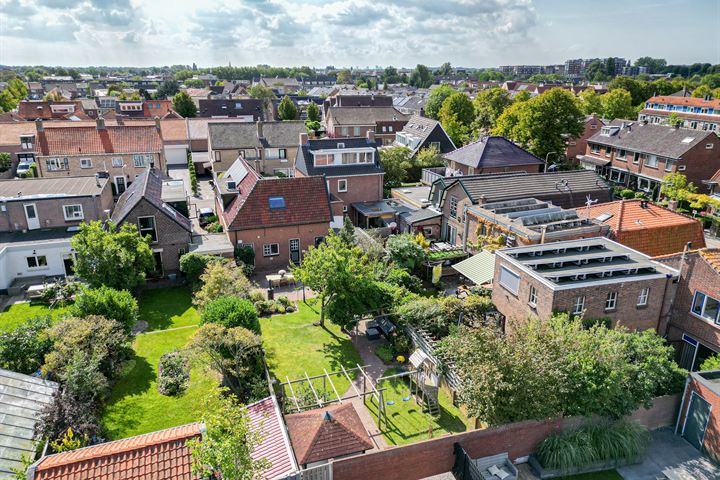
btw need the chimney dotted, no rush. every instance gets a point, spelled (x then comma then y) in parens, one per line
(39, 125)
(157, 123)
(100, 122)
(303, 138)
(371, 136)
(259, 128)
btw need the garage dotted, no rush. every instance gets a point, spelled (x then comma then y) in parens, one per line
(176, 154)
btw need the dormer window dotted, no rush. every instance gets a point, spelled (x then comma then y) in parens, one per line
(340, 145)
(231, 185)
(27, 141)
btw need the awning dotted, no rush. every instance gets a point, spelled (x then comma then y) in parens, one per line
(479, 268)
(600, 162)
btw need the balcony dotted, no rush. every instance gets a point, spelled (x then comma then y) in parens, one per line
(429, 175)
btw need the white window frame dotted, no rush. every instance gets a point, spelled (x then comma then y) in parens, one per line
(342, 181)
(57, 164)
(141, 230)
(532, 297)
(650, 164)
(506, 273)
(268, 249)
(139, 161)
(73, 216)
(85, 163)
(579, 305)
(36, 259)
(643, 297)
(611, 301)
(117, 162)
(453, 205)
(701, 315)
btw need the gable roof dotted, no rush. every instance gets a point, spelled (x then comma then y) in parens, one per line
(34, 109)
(679, 100)
(304, 158)
(712, 257)
(421, 127)
(148, 186)
(492, 152)
(220, 107)
(364, 115)
(265, 417)
(72, 140)
(656, 139)
(306, 200)
(235, 135)
(326, 433)
(161, 454)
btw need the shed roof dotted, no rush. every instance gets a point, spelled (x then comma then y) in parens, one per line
(480, 268)
(265, 417)
(61, 187)
(492, 152)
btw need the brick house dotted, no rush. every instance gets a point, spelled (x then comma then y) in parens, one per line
(453, 195)
(421, 132)
(699, 417)
(51, 110)
(694, 324)
(346, 122)
(17, 139)
(268, 147)
(595, 278)
(638, 155)
(351, 167)
(121, 151)
(492, 154)
(578, 146)
(646, 227)
(696, 113)
(142, 205)
(279, 217)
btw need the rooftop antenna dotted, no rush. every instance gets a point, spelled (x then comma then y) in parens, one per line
(588, 203)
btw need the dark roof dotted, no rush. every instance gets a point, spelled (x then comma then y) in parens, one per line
(421, 127)
(304, 159)
(492, 152)
(245, 135)
(365, 115)
(230, 107)
(326, 433)
(656, 139)
(147, 185)
(305, 200)
(352, 100)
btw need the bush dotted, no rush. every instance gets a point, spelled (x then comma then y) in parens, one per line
(194, 264)
(384, 353)
(173, 374)
(402, 345)
(214, 227)
(627, 193)
(231, 312)
(118, 305)
(221, 279)
(23, 349)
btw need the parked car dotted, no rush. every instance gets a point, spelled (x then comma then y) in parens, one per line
(205, 215)
(23, 169)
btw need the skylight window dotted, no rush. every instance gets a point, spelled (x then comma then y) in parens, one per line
(603, 217)
(276, 203)
(687, 139)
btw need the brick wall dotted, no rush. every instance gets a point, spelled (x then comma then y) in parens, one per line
(531, 168)
(580, 146)
(100, 163)
(711, 441)
(360, 188)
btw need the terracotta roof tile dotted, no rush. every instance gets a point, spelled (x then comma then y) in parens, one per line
(31, 110)
(326, 433)
(653, 231)
(712, 257)
(160, 455)
(72, 140)
(274, 447)
(689, 101)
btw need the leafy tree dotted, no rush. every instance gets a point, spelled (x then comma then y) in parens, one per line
(390, 75)
(313, 112)
(5, 161)
(395, 161)
(118, 305)
(710, 363)
(673, 119)
(225, 450)
(456, 116)
(343, 77)
(15, 91)
(421, 77)
(167, 89)
(653, 65)
(639, 91)
(184, 105)
(490, 75)
(261, 92)
(405, 251)
(231, 312)
(618, 104)
(194, 264)
(610, 67)
(435, 100)
(23, 348)
(287, 109)
(702, 91)
(347, 232)
(675, 186)
(595, 71)
(428, 157)
(444, 70)
(489, 105)
(543, 123)
(173, 373)
(522, 96)
(591, 102)
(221, 280)
(114, 257)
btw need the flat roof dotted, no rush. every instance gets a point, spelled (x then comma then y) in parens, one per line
(211, 244)
(36, 236)
(419, 195)
(579, 263)
(40, 188)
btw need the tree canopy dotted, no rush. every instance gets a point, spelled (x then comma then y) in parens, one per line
(456, 116)
(489, 105)
(618, 104)
(421, 77)
(287, 109)
(435, 100)
(184, 105)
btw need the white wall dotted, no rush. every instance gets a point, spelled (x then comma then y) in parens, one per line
(176, 154)
(13, 263)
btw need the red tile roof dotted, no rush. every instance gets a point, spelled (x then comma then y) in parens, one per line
(306, 201)
(158, 455)
(326, 433)
(71, 140)
(653, 231)
(689, 101)
(31, 110)
(712, 257)
(274, 447)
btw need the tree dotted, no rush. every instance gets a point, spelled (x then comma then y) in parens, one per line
(405, 251)
(428, 157)
(118, 305)
(435, 100)
(343, 77)
(23, 348)
(221, 279)
(489, 105)
(347, 232)
(15, 91)
(591, 102)
(167, 89)
(231, 312)
(639, 91)
(610, 67)
(114, 257)
(287, 109)
(617, 104)
(653, 65)
(261, 92)
(390, 75)
(710, 363)
(194, 264)
(421, 77)
(396, 161)
(456, 116)
(675, 186)
(595, 71)
(225, 449)
(313, 112)
(702, 91)
(184, 105)
(5, 161)
(543, 123)
(444, 70)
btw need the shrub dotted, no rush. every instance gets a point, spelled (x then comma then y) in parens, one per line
(231, 312)
(256, 296)
(214, 227)
(118, 305)
(194, 264)
(384, 353)
(173, 374)
(284, 301)
(627, 193)
(402, 345)
(23, 349)
(221, 279)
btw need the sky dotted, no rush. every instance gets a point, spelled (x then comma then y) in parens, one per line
(354, 33)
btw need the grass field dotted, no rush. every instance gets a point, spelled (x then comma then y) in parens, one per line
(19, 313)
(294, 346)
(165, 308)
(406, 421)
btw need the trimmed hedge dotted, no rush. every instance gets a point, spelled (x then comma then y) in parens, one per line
(173, 374)
(231, 312)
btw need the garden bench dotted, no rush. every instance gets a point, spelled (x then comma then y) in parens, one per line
(496, 467)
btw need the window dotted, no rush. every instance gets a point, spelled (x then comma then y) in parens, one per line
(142, 160)
(384, 129)
(356, 131)
(611, 301)
(390, 128)
(276, 203)
(668, 165)
(509, 280)
(146, 226)
(36, 261)
(636, 158)
(345, 209)
(271, 249)
(117, 162)
(608, 151)
(85, 163)
(643, 297)
(579, 306)
(621, 154)
(706, 307)
(26, 142)
(709, 146)
(453, 206)
(73, 212)
(55, 164)
(344, 131)
(435, 145)
(532, 300)
(595, 148)
(342, 185)
(452, 235)
(651, 161)
(282, 153)
(319, 241)
(593, 126)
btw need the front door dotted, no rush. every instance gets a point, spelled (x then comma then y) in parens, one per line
(696, 421)
(295, 251)
(158, 270)
(33, 222)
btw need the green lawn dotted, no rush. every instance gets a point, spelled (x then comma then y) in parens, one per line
(606, 475)
(294, 346)
(165, 308)
(19, 313)
(406, 421)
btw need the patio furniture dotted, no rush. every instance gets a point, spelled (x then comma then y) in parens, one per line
(35, 291)
(496, 467)
(278, 280)
(372, 334)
